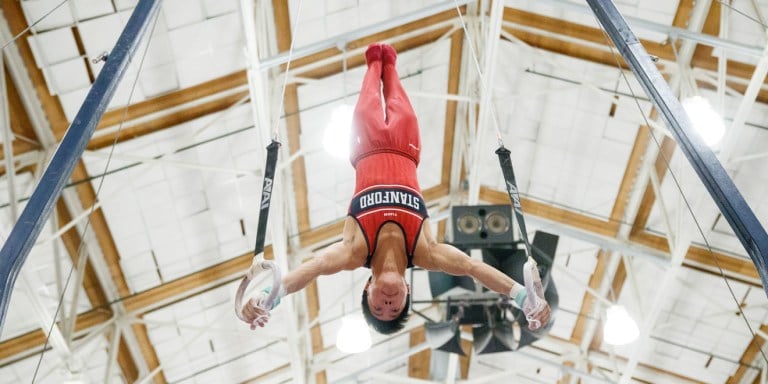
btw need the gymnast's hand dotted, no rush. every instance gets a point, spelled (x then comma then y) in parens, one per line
(255, 312)
(534, 306)
(537, 316)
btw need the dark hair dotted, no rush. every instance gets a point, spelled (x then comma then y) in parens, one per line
(390, 326)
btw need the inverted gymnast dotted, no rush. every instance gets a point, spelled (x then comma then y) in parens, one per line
(387, 229)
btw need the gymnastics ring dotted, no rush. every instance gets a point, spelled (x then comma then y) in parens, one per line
(258, 267)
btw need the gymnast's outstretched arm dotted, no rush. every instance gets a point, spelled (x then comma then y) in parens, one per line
(335, 258)
(346, 254)
(449, 259)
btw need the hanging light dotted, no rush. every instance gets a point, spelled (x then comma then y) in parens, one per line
(354, 336)
(705, 119)
(620, 328)
(336, 136)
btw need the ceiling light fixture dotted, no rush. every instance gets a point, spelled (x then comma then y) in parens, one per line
(620, 328)
(353, 336)
(707, 122)
(336, 136)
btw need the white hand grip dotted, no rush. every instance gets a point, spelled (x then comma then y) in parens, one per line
(258, 267)
(535, 290)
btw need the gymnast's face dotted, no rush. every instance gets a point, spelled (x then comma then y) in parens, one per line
(386, 296)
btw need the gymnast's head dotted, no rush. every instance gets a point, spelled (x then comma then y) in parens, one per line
(386, 300)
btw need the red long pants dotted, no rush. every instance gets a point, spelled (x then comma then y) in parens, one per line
(384, 149)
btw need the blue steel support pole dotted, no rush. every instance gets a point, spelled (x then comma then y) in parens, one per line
(41, 203)
(712, 174)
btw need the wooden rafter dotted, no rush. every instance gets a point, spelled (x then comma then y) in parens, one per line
(572, 31)
(696, 256)
(454, 79)
(24, 345)
(751, 353)
(25, 140)
(668, 147)
(166, 121)
(51, 105)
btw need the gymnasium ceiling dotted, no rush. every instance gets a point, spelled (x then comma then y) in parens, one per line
(181, 149)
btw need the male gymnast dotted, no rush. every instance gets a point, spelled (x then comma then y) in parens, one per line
(387, 229)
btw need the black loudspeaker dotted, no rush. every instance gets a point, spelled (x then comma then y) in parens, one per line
(469, 314)
(444, 336)
(498, 337)
(480, 225)
(543, 248)
(495, 334)
(441, 283)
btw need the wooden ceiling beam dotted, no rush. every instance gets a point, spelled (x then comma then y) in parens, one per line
(575, 31)
(25, 139)
(28, 343)
(546, 211)
(167, 121)
(387, 35)
(668, 145)
(696, 257)
(354, 61)
(454, 79)
(631, 172)
(72, 242)
(567, 48)
(589, 303)
(749, 356)
(702, 58)
(51, 105)
(648, 200)
(711, 27)
(174, 99)
(419, 363)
